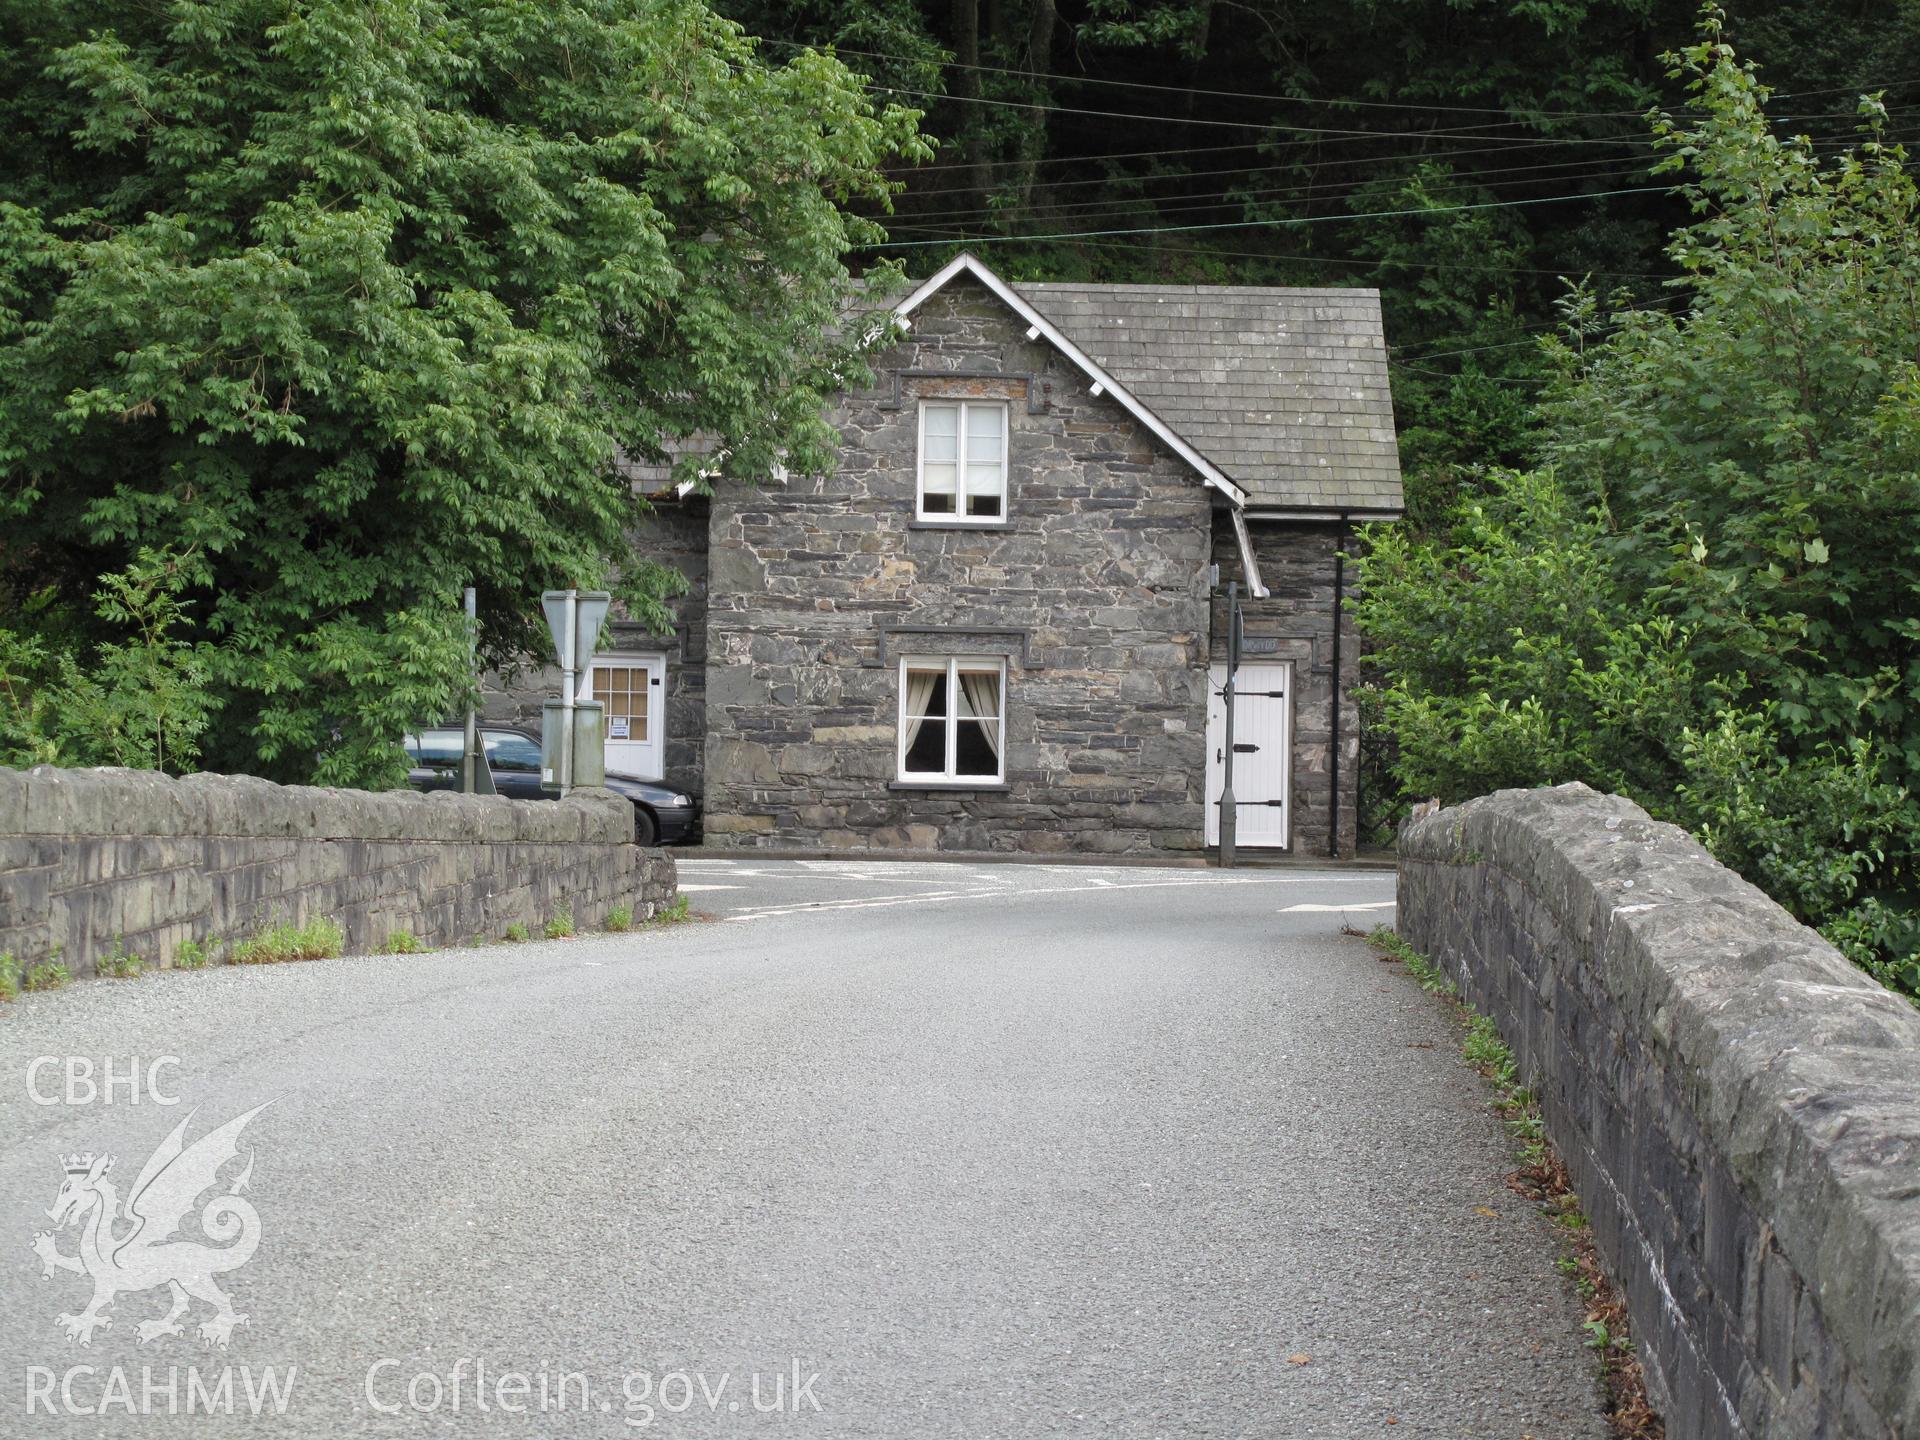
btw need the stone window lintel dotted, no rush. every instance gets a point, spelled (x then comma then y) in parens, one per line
(963, 385)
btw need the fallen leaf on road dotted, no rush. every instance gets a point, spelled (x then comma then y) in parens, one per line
(1298, 1359)
(1483, 1210)
(1419, 1044)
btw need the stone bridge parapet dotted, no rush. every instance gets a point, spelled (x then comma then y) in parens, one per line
(94, 859)
(1739, 1106)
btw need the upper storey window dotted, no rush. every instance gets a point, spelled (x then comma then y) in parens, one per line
(963, 461)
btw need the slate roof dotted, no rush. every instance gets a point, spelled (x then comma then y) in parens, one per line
(1285, 390)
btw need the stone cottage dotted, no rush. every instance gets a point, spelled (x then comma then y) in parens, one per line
(997, 625)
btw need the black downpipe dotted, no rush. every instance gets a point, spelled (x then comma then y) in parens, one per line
(1333, 761)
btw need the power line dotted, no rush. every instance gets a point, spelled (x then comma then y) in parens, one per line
(1317, 133)
(1180, 204)
(1179, 175)
(1278, 223)
(1509, 142)
(1471, 132)
(1533, 332)
(1101, 213)
(1831, 145)
(1119, 203)
(1506, 144)
(1455, 375)
(1079, 159)
(951, 64)
(1558, 273)
(1267, 98)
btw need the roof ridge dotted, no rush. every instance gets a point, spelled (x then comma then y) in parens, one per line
(1124, 288)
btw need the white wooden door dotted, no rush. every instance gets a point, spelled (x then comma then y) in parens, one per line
(633, 691)
(1263, 745)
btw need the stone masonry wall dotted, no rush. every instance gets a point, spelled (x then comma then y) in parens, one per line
(1297, 564)
(1739, 1106)
(675, 536)
(91, 858)
(1095, 591)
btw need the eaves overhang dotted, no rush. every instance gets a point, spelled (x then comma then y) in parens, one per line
(1320, 515)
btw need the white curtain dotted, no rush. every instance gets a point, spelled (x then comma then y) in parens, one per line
(982, 692)
(920, 685)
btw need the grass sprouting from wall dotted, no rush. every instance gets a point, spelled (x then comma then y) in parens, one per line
(318, 939)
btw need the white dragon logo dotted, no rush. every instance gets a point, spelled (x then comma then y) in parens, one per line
(140, 1258)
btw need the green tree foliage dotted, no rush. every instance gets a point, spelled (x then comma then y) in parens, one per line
(139, 701)
(1709, 601)
(1758, 458)
(322, 311)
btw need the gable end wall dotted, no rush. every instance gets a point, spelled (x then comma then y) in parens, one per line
(1102, 565)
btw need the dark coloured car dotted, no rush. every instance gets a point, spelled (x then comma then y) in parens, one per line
(662, 814)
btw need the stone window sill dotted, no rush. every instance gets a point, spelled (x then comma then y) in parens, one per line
(950, 787)
(956, 525)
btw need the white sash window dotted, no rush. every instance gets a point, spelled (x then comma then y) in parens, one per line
(963, 461)
(953, 721)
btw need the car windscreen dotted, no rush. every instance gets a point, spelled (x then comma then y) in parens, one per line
(507, 751)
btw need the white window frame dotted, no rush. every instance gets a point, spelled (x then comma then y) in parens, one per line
(960, 515)
(954, 665)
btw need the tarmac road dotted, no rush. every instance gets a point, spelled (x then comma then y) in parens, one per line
(902, 1150)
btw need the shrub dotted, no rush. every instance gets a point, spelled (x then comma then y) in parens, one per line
(318, 939)
(194, 954)
(560, 927)
(1558, 677)
(118, 964)
(403, 942)
(47, 975)
(620, 918)
(142, 701)
(675, 913)
(518, 933)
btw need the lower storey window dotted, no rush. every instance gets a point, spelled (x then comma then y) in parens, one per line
(953, 720)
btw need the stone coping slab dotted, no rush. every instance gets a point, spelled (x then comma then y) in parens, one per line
(52, 801)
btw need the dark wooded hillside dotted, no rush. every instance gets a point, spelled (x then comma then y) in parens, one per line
(1461, 155)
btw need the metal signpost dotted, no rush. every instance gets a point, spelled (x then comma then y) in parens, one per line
(574, 618)
(476, 776)
(471, 728)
